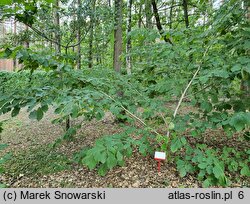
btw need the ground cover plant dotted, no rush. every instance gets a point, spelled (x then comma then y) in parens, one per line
(181, 87)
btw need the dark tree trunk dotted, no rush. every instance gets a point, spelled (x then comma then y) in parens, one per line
(79, 35)
(91, 34)
(57, 31)
(158, 23)
(185, 8)
(128, 44)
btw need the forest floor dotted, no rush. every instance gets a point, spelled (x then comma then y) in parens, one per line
(36, 164)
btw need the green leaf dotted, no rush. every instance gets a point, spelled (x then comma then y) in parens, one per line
(143, 149)
(129, 152)
(245, 171)
(206, 106)
(239, 120)
(45, 108)
(89, 161)
(218, 171)
(247, 69)
(121, 163)
(221, 73)
(39, 114)
(50, 1)
(236, 68)
(5, 2)
(3, 146)
(119, 156)
(183, 140)
(2, 185)
(33, 115)
(176, 144)
(15, 111)
(171, 126)
(183, 172)
(75, 110)
(201, 174)
(207, 183)
(70, 133)
(111, 160)
(97, 154)
(103, 169)
(202, 165)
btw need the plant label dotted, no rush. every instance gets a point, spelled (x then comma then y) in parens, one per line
(160, 155)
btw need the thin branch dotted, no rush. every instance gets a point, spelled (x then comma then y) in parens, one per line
(131, 114)
(54, 41)
(189, 84)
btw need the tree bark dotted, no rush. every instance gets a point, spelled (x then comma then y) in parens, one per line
(185, 8)
(79, 35)
(117, 36)
(57, 32)
(91, 33)
(148, 12)
(158, 23)
(14, 59)
(245, 81)
(26, 43)
(128, 44)
(171, 15)
(139, 16)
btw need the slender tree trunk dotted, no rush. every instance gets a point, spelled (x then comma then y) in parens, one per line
(68, 122)
(3, 28)
(91, 34)
(27, 43)
(57, 32)
(109, 3)
(117, 36)
(158, 23)
(79, 35)
(128, 44)
(185, 8)
(148, 12)
(14, 60)
(245, 81)
(139, 16)
(171, 15)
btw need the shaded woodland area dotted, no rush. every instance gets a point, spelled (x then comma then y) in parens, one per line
(95, 87)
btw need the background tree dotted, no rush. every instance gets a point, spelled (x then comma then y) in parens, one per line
(117, 36)
(128, 42)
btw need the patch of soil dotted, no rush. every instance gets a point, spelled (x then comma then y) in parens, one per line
(22, 133)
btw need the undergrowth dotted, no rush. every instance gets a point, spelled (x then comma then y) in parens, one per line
(37, 161)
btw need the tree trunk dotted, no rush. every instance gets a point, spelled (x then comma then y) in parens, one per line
(91, 34)
(128, 44)
(117, 36)
(185, 8)
(14, 60)
(148, 12)
(27, 43)
(171, 15)
(245, 81)
(158, 23)
(139, 16)
(57, 32)
(79, 35)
